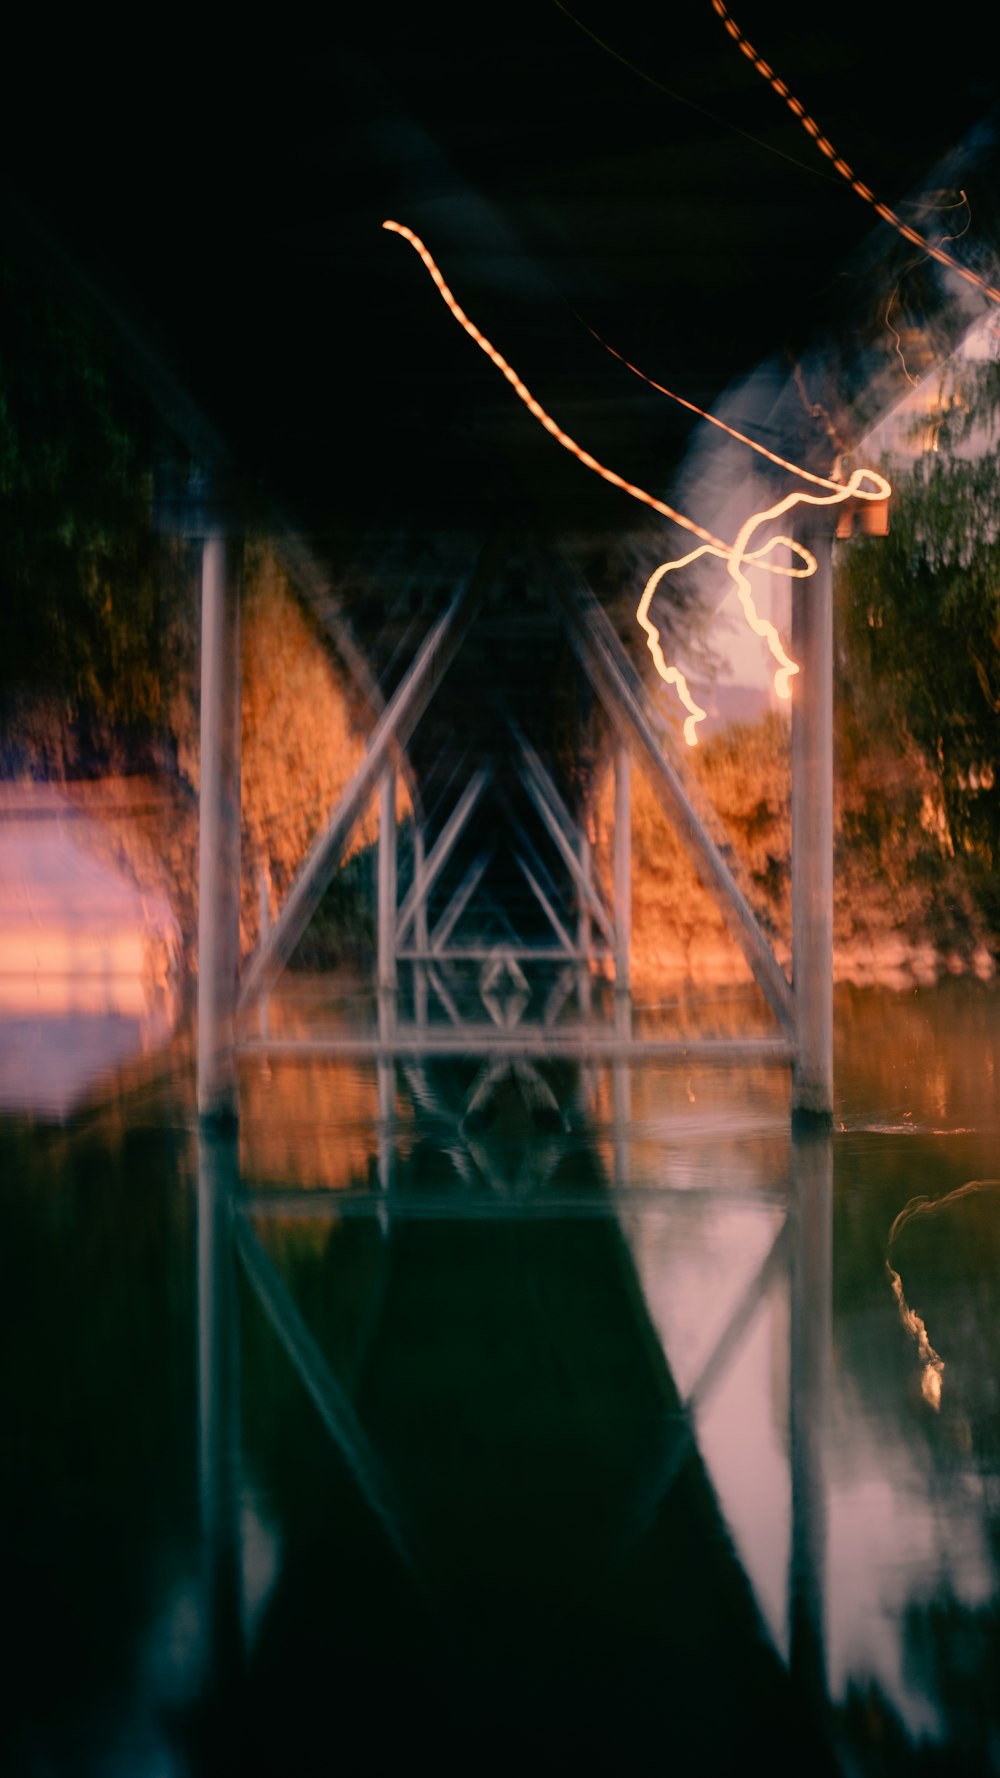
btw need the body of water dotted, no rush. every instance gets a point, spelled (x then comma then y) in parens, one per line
(526, 1413)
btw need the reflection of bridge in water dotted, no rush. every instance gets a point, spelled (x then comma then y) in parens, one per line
(572, 1484)
(518, 1495)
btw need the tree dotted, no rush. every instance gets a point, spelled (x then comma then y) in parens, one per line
(90, 596)
(919, 627)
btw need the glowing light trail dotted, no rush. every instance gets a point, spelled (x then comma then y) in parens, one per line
(535, 408)
(736, 555)
(822, 481)
(932, 1374)
(736, 558)
(811, 127)
(725, 123)
(897, 337)
(879, 489)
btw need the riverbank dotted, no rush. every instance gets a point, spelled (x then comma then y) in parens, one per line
(904, 914)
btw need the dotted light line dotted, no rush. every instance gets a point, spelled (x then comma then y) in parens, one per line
(826, 148)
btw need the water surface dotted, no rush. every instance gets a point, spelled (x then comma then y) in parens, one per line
(561, 1413)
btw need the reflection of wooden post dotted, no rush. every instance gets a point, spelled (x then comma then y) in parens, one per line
(218, 1407)
(623, 864)
(386, 1077)
(811, 1341)
(621, 1090)
(812, 837)
(219, 825)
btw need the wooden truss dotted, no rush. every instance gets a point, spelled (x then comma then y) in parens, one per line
(421, 934)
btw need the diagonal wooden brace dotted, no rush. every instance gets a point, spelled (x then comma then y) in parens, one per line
(391, 732)
(614, 677)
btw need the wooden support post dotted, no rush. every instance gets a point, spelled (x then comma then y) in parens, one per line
(420, 925)
(623, 865)
(584, 927)
(264, 884)
(622, 1086)
(387, 977)
(219, 824)
(442, 849)
(812, 838)
(387, 881)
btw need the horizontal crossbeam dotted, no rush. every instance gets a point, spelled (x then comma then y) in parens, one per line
(581, 1041)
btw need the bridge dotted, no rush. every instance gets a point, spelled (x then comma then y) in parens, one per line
(501, 978)
(496, 942)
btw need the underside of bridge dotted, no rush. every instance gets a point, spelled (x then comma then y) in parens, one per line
(504, 694)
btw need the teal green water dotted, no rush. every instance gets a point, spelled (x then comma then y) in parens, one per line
(593, 1428)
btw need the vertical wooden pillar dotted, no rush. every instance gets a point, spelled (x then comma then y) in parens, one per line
(584, 923)
(623, 865)
(387, 881)
(219, 823)
(622, 1075)
(264, 891)
(812, 837)
(420, 926)
(387, 978)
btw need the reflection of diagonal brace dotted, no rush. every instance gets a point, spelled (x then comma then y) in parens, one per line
(619, 686)
(684, 1443)
(739, 1322)
(335, 1409)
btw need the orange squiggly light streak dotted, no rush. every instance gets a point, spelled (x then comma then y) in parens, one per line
(811, 127)
(932, 1373)
(914, 382)
(932, 1376)
(839, 492)
(734, 555)
(735, 559)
